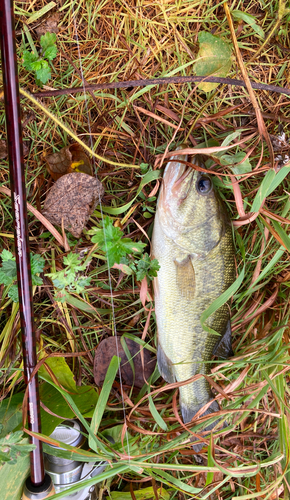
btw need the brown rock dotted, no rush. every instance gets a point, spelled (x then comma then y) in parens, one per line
(71, 200)
(107, 349)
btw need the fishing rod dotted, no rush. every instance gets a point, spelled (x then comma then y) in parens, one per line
(48, 474)
(39, 484)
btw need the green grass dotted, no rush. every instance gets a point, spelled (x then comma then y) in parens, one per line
(131, 40)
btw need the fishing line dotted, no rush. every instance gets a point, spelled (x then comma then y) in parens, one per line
(102, 217)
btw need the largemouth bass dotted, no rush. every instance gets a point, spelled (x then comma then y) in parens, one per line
(192, 240)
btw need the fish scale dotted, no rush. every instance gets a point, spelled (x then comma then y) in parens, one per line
(192, 241)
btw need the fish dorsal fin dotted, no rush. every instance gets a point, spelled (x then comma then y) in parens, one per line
(185, 277)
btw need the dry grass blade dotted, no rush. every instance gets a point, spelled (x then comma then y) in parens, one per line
(39, 216)
(202, 151)
(260, 120)
(280, 14)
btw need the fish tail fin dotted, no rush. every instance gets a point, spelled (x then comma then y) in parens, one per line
(189, 413)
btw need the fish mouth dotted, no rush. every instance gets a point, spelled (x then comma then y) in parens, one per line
(183, 176)
(176, 172)
(183, 193)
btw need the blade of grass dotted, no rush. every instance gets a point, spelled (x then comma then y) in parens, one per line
(149, 177)
(70, 401)
(157, 417)
(103, 398)
(260, 120)
(270, 182)
(263, 190)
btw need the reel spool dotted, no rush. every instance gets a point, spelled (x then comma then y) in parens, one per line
(67, 473)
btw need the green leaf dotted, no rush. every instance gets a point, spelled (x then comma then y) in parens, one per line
(12, 477)
(230, 138)
(214, 58)
(12, 448)
(4, 456)
(68, 281)
(263, 190)
(9, 268)
(80, 304)
(50, 53)
(58, 282)
(110, 241)
(36, 280)
(8, 273)
(6, 255)
(47, 40)
(103, 398)
(44, 73)
(210, 463)
(146, 267)
(37, 263)
(61, 371)
(33, 62)
(129, 356)
(67, 396)
(11, 438)
(144, 168)
(250, 20)
(243, 167)
(129, 246)
(28, 59)
(283, 235)
(36, 65)
(171, 480)
(81, 283)
(72, 261)
(149, 177)
(4, 279)
(157, 417)
(85, 397)
(279, 177)
(11, 413)
(64, 450)
(13, 293)
(270, 182)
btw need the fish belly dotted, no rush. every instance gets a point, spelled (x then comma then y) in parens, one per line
(184, 288)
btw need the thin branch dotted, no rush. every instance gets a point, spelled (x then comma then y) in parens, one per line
(161, 81)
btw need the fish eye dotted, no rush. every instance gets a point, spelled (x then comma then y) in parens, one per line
(204, 185)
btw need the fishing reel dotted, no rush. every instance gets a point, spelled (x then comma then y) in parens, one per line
(67, 473)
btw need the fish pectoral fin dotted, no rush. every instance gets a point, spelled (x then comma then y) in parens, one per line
(185, 277)
(223, 348)
(165, 366)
